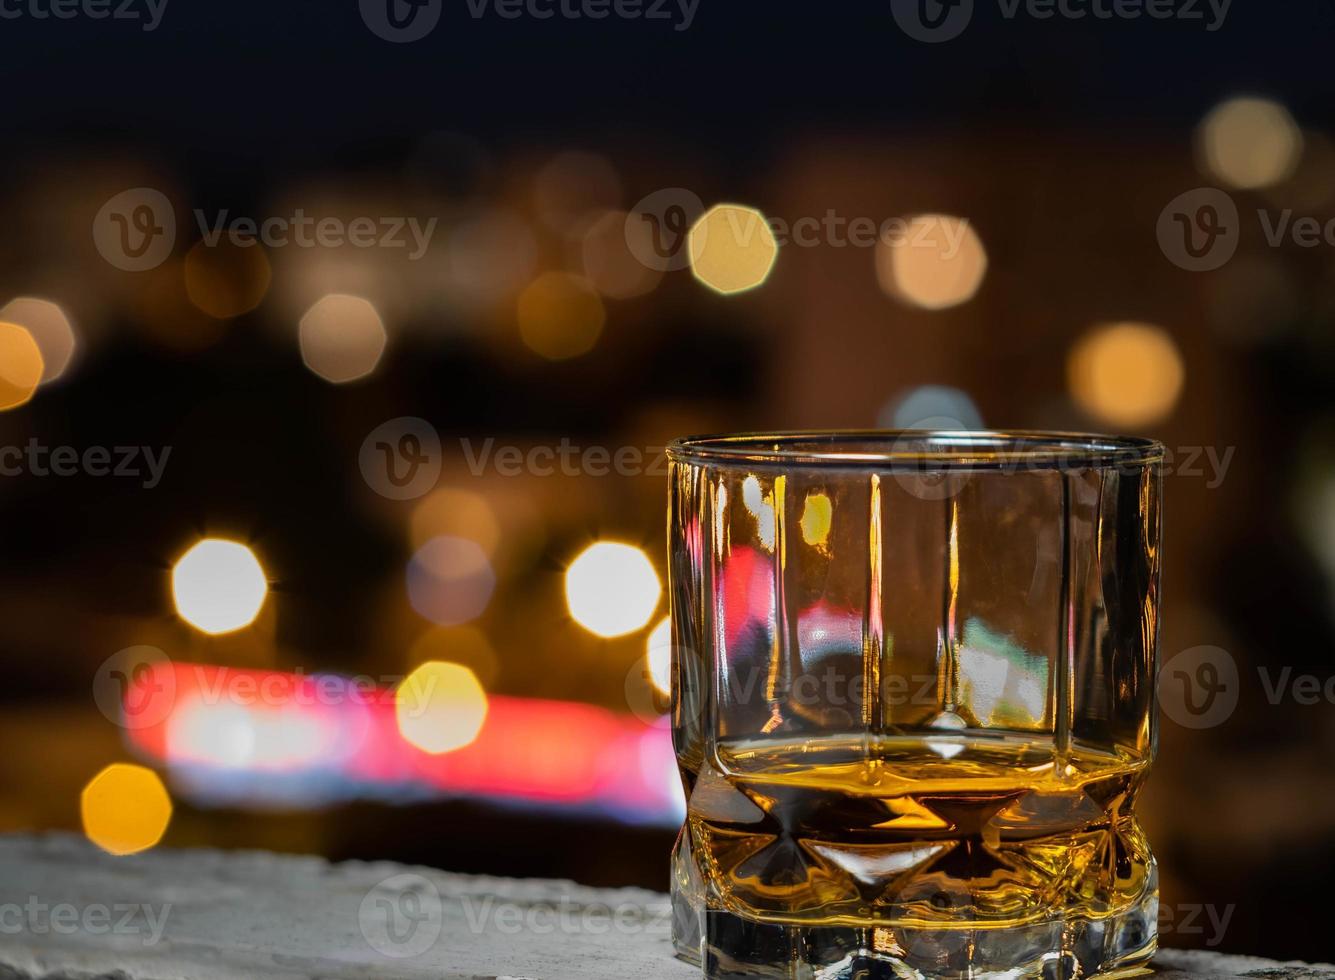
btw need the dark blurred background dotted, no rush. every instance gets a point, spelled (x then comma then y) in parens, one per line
(552, 299)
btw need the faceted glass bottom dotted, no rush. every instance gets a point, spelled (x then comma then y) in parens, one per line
(727, 945)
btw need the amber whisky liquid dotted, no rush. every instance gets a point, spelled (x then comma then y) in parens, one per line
(978, 832)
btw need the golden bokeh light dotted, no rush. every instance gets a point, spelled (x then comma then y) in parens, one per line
(658, 653)
(1249, 143)
(466, 645)
(450, 580)
(440, 707)
(817, 518)
(936, 263)
(732, 248)
(1126, 375)
(49, 327)
(609, 262)
(125, 809)
(226, 280)
(219, 586)
(164, 311)
(560, 316)
(342, 338)
(21, 366)
(458, 512)
(612, 589)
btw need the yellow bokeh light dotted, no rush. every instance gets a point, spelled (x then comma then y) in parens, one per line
(938, 261)
(608, 260)
(612, 589)
(560, 316)
(658, 653)
(1126, 374)
(440, 707)
(21, 366)
(817, 518)
(226, 280)
(125, 809)
(1249, 143)
(342, 338)
(732, 248)
(456, 512)
(49, 327)
(219, 586)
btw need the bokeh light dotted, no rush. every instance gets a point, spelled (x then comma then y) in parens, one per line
(612, 589)
(450, 580)
(226, 280)
(1249, 143)
(489, 258)
(458, 512)
(658, 653)
(1126, 374)
(342, 338)
(560, 316)
(125, 809)
(219, 586)
(931, 407)
(21, 366)
(608, 260)
(732, 248)
(938, 262)
(49, 327)
(440, 707)
(761, 507)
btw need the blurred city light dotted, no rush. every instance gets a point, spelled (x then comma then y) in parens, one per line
(817, 519)
(458, 512)
(938, 262)
(560, 316)
(342, 338)
(219, 586)
(440, 707)
(489, 259)
(608, 261)
(226, 280)
(572, 186)
(1249, 143)
(125, 809)
(49, 327)
(450, 580)
(658, 652)
(931, 407)
(1126, 374)
(732, 248)
(612, 589)
(21, 366)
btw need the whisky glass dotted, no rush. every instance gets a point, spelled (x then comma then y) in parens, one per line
(912, 702)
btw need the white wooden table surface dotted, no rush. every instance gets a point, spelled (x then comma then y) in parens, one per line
(69, 911)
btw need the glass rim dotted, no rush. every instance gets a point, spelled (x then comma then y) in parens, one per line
(934, 449)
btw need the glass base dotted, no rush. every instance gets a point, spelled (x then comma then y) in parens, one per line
(727, 945)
